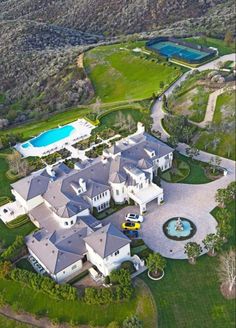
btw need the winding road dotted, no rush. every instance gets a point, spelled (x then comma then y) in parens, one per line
(193, 201)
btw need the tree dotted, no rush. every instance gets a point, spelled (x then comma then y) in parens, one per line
(223, 215)
(215, 162)
(165, 102)
(96, 107)
(193, 250)
(132, 322)
(224, 230)
(17, 164)
(228, 38)
(226, 270)
(173, 141)
(155, 263)
(232, 190)
(162, 84)
(222, 197)
(192, 152)
(213, 243)
(187, 133)
(5, 268)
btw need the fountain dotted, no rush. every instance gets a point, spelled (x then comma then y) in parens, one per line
(179, 228)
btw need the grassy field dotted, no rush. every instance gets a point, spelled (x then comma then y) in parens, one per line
(8, 323)
(118, 74)
(221, 141)
(5, 189)
(189, 296)
(8, 235)
(77, 311)
(215, 43)
(30, 130)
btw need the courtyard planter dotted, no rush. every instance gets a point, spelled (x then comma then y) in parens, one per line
(160, 274)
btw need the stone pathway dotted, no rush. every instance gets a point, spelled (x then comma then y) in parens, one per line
(212, 104)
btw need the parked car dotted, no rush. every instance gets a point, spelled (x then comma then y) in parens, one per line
(134, 217)
(131, 233)
(131, 226)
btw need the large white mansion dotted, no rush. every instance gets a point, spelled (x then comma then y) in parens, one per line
(60, 201)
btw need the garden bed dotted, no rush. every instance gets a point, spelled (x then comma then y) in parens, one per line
(18, 222)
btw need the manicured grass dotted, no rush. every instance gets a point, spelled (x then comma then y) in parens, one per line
(197, 173)
(5, 189)
(177, 173)
(8, 235)
(189, 295)
(32, 129)
(224, 137)
(212, 42)
(25, 264)
(118, 73)
(5, 322)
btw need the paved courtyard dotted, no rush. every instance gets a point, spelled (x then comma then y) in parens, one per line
(194, 202)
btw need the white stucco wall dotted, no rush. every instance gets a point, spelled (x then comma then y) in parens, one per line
(64, 274)
(28, 204)
(105, 266)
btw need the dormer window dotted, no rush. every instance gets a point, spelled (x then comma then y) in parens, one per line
(153, 154)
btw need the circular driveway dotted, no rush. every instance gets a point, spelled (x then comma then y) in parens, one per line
(194, 202)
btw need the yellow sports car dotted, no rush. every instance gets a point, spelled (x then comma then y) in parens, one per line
(130, 226)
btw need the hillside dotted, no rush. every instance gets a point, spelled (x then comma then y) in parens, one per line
(110, 17)
(41, 39)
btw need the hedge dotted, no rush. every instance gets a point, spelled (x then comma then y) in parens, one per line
(122, 289)
(45, 284)
(137, 243)
(4, 200)
(18, 222)
(14, 249)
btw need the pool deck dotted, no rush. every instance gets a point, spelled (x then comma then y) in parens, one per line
(82, 131)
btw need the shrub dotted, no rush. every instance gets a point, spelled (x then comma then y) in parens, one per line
(113, 324)
(45, 284)
(128, 265)
(132, 322)
(107, 280)
(145, 253)
(18, 222)
(136, 243)
(13, 250)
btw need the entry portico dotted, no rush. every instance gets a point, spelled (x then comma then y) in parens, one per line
(147, 195)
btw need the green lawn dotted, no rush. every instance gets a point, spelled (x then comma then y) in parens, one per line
(30, 130)
(212, 42)
(8, 235)
(5, 189)
(119, 74)
(189, 296)
(224, 138)
(77, 311)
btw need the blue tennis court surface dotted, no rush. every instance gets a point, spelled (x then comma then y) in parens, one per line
(170, 49)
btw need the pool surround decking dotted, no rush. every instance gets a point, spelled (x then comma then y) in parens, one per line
(76, 131)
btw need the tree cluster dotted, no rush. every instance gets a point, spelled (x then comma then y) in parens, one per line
(44, 284)
(121, 289)
(13, 250)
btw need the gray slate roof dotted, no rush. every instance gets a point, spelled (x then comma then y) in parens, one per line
(107, 240)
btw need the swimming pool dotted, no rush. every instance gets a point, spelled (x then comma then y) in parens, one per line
(50, 137)
(170, 49)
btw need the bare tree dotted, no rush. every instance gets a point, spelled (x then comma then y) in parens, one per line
(17, 164)
(14, 161)
(226, 270)
(96, 107)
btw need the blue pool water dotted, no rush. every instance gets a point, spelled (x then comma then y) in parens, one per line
(170, 49)
(51, 136)
(178, 233)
